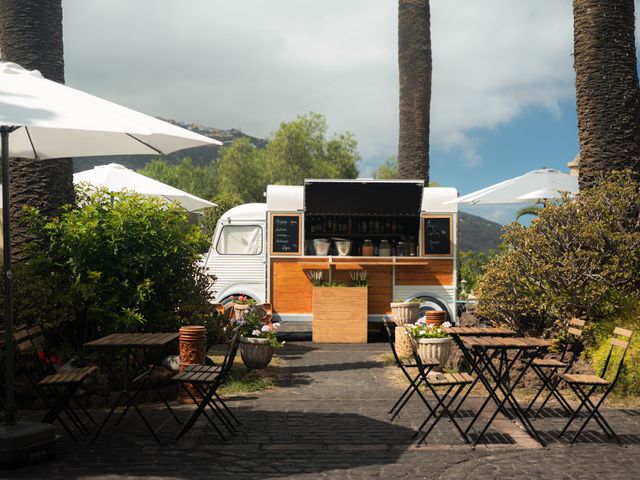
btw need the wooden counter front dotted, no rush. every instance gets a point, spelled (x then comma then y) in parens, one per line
(292, 291)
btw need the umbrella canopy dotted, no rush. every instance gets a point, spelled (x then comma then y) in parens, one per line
(532, 187)
(116, 178)
(44, 119)
(56, 121)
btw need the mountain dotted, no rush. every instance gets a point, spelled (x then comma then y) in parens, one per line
(477, 234)
(199, 155)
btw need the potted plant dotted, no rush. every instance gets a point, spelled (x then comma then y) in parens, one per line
(432, 341)
(257, 338)
(405, 312)
(241, 305)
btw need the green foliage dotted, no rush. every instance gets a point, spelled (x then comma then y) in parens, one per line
(118, 262)
(579, 259)
(418, 330)
(629, 381)
(297, 150)
(473, 265)
(388, 170)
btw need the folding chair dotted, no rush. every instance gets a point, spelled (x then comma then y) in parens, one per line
(206, 380)
(57, 390)
(585, 385)
(454, 384)
(547, 368)
(414, 382)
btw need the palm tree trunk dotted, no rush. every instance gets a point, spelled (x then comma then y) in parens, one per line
(31, 35)
(607, 92)
(414, 62)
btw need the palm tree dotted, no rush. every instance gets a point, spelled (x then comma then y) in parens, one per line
(31, 35)
(414, 62)
(607, 92)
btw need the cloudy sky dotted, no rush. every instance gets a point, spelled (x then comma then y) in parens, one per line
(503, 84)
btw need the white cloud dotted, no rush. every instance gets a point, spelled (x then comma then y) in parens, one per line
(251, 64)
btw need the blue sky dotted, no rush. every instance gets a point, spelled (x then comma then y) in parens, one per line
(503, 81)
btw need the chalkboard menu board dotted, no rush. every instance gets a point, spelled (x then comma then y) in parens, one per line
(285, 234)
(436, 239)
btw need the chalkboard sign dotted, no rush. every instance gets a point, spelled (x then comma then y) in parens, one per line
(436, 239)
(285, 234)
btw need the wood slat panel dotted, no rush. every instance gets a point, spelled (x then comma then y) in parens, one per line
(291, 290)
(436, 272)
(339, 315)
(577, 322)
(622, 331)
(574, 331)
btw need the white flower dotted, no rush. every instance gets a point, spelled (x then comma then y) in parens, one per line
(265, 328)
(276, 325)
(446, 324)
(422, 321)
(256, 333)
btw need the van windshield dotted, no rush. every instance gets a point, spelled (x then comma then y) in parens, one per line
(240, 240)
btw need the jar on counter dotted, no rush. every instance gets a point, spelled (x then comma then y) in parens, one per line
(401, 249)
(384, 250)
(367, 248)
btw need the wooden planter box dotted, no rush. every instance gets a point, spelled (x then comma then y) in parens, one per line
(340, 314)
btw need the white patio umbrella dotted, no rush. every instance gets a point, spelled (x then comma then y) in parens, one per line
(532, 187)
(43, 119)
(116, 178)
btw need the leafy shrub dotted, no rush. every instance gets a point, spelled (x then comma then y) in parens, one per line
(119, 262)
(579, 258)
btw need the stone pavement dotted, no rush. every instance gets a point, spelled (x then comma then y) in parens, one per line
(328, 420)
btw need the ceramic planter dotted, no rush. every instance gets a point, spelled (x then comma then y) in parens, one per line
(435, 317)
(404, 313)
(193, 342)
(403, 341)
(436, 348)
(256, 353)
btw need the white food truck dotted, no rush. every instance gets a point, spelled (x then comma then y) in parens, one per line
(403, 235)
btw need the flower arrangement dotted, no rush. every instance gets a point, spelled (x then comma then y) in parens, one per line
(421, 330)
(252, 326)
(243, 300)
(51, 360)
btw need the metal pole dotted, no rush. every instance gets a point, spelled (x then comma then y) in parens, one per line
(10, 405)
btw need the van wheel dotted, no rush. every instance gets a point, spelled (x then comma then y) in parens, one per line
(433, 303)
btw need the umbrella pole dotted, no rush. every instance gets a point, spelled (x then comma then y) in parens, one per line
(10, 404)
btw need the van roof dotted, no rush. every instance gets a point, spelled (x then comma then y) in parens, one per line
(246, 211)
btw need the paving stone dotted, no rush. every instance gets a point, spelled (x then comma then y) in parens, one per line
(328, 420)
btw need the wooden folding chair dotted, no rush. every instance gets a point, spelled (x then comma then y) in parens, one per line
(547, 368)
(414, 382)
(57, 390)
(454, 384)
(206, 380)
(585, 385)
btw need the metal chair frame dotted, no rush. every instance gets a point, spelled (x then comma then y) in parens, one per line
(551, 380)
(579, 385)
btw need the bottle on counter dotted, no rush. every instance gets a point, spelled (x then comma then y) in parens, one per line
(367, 248)
(385, 248)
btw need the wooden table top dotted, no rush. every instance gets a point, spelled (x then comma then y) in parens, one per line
(506, 342)
(479, 331)
(125, 340)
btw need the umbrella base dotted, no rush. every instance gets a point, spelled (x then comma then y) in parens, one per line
(26, 443)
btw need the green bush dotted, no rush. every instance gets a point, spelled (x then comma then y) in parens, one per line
(118, 262)
(579, 258)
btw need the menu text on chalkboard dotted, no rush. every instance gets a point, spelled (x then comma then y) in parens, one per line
(285, 234)
(436, 236)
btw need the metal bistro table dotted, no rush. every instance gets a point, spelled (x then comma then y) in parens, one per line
(482, 351)
(153, 346)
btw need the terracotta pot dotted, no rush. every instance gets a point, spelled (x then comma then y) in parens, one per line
(435, 317)
(405, 312)
(435, 348)
(193, 343)
(403, 343)
(239, 310)
(256, 353)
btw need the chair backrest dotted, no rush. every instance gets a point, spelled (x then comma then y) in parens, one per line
(621, 338)
(25, 338)
(575, 329)
(419, 365)
(392, 344)
(230, 355)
